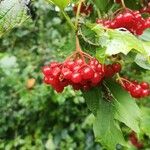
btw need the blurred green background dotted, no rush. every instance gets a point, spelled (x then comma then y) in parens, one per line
(32, 115)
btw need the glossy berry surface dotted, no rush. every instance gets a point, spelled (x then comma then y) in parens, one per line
(87, 72)
(130, 20)
(79, 74)
(116, 67)
(137, 90)
(112, 69)
(82, 73)
(76, 77)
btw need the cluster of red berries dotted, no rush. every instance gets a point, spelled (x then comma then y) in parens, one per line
(137, 90)
(85, 9)
(112, 69)
(134, 140)
(130, 20)
(77, 73)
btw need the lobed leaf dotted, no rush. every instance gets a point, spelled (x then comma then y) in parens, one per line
(145, 120)
(145, 36)
(142, 61)
(12, 14)
(106, 128)
(103, 5)
(127, 111)
(119, 41)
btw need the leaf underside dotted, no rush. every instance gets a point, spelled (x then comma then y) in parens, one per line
(12, 14)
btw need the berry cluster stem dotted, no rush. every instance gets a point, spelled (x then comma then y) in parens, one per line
(123, 4)
(69, 20)
(78, 13)
(78, 45)
(78, 49)
(120, 79)
(123, 79)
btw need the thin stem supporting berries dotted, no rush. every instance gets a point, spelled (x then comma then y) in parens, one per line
(80, 70)
(136, 90)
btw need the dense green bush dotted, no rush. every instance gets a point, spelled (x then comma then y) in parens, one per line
(38, 118)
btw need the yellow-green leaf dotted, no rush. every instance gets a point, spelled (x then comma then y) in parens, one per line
(12, 14)
(60, 3)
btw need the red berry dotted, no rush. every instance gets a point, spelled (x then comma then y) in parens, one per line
(96, 62)
(145, 93)
(144, 85)
(96, 79)
(92, 62)
(87, 73)
(64, 83)
(109, 72)
(46, 80)
(93, 67)
(116, 67)
(54, 64)
(69, 64)
(79, 62)
(127, 17)
(54, 81)
(46, 70)
(56, 71)
(99, 68)
(51, 81)
(131, 87)
(59, 89)
(76, 86)
(66, 73)
(119, 19)
(83, 82)
(76, 77)
(137, 91)
(76, 68)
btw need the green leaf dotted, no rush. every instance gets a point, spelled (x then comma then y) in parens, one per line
(60, 3)
(100, 55)
(92, 99)
(146, 46)
(145, 120)
(126, 108)
(118, 41)
(12, 14)
(106, 129)
(132, 4)
(102, 5)
(143, 62)
(88, 35)
(146, 35)
(123, 42)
